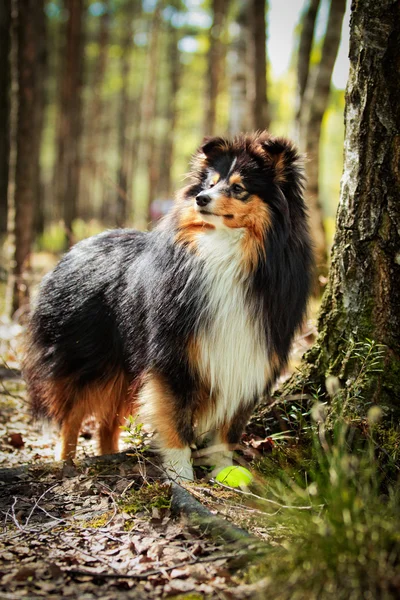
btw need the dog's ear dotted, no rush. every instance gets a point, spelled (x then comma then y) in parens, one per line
(211, 145)
(284, 158)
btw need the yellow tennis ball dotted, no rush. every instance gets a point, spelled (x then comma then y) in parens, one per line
(235, 476)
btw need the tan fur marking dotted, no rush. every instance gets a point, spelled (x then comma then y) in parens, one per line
(215, 178)
(235, 178)
(193, 353)
(190, 224)
(275, 361)
(158, 405)
(278, 161)
(254, 216)
(109, 401)
(70, 432)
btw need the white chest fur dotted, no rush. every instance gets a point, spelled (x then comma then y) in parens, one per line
(232, 344)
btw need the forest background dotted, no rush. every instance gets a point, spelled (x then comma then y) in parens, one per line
(119, 94)
(101, 106)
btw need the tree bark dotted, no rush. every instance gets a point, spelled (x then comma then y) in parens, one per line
(316, 100)
(92, 161)
(257, 75)
(67, 167)
(41, 98)
(5, 78)
(122, 200)
(239, 117)
(26, 146)
(215, 65)
(304, 57)
(362, 299)
(148, 109)
(167, 148)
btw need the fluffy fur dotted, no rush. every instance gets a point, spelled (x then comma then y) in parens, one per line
(189, 324)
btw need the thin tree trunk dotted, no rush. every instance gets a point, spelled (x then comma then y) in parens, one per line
(258, 65)
(148, 109)
(41, 98)
(316, 99)
(362, 300)
(26, 146)
(239, 117)
(67, 167)
(5, 78)
(122, 200)
(92, 161)
(167, 147)
(303, 59)
(215, 65)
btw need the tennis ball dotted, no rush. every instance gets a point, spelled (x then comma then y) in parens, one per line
(235, 476)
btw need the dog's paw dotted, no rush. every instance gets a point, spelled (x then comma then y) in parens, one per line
(177, 464)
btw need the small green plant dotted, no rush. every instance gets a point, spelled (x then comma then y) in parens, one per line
(135, 435)
(362, 362)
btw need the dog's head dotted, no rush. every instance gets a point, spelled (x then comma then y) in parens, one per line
(252, 182)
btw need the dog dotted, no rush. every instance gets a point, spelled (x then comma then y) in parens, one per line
(187, 325)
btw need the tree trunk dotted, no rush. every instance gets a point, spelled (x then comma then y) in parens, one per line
(67, 167)
(92, 161)
(215, 65)
(362, 300)
(316, 100)
(167, 148)
(257, 75)
(239, 117)
(148, 109)
(26, 146)
(303, 59)
(41, 98)
(123, 119)
(5, 78)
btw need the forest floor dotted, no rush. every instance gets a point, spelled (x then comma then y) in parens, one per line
(106, 529)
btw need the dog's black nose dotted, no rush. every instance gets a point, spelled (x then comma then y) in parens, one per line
(203, 199)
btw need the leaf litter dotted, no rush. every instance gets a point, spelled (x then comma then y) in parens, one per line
(100, 530)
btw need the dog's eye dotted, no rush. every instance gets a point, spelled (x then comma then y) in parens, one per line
(211, 184)
(236, 188)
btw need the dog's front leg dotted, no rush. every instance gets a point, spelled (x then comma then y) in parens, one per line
(171, 418)
(225, 438)
(218, 454)
(177, 463)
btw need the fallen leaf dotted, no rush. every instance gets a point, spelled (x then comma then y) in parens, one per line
(24, 573)
(16, 440)
(180, 573)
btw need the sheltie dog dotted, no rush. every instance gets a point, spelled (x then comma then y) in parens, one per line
(187, 325)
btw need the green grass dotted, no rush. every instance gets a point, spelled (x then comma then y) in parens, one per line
(346, 544)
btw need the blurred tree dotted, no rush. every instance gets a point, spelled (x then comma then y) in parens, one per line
(148, 107)
(315, 104)
(167, 146)
(215, 64)
(304, 57)
(41, 98)
(5, 43)
(362, 300)
(257, 71)
(26, 143)
(124, 114)
(239, 117)
(67, 165)
(93, 148)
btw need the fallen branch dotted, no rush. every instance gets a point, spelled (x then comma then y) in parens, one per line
(184, 503)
